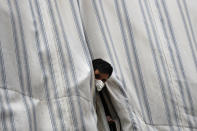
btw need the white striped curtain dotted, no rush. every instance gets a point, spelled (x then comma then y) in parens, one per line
(46, 75)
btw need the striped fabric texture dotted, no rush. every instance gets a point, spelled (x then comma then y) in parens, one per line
(46, 75)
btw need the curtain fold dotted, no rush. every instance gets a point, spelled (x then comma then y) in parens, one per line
(46, 75)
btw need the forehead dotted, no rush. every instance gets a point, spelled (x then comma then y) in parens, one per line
(102, 75)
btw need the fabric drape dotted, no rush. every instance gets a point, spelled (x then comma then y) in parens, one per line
(46, 52)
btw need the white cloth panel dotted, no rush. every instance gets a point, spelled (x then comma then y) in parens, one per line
(46, 53)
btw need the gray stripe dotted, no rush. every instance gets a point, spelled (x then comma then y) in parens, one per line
(173, 59)
(142, 85)
(178, 54)
(83, 41)
(163, 67)
(135, 52)
(2, 111)
(188, 35)
(191, 47)
(108, 49)
(156, 63)
(62, 59)
(90, 55)
(20, 74)
(190, 23)
(41, 61)
(92, 70)
(179, 60)
(26, 64)
(74, 75)
(2, 114)
(54, 124)
(92, 76)
(103, 32)
(81, 35)
(87, 42)
(63, 63)
(3, 73)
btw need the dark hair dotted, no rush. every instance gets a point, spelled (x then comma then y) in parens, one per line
(102, 66)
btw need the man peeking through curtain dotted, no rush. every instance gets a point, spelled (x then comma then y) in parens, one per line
(102, 72)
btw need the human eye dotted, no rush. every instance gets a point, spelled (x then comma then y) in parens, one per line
(97, 76)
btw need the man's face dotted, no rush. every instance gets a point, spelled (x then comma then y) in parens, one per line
(101, 76)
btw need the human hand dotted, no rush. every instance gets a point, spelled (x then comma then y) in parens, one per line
(109, 119)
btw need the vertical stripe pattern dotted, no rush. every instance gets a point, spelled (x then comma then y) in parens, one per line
(46, 74)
